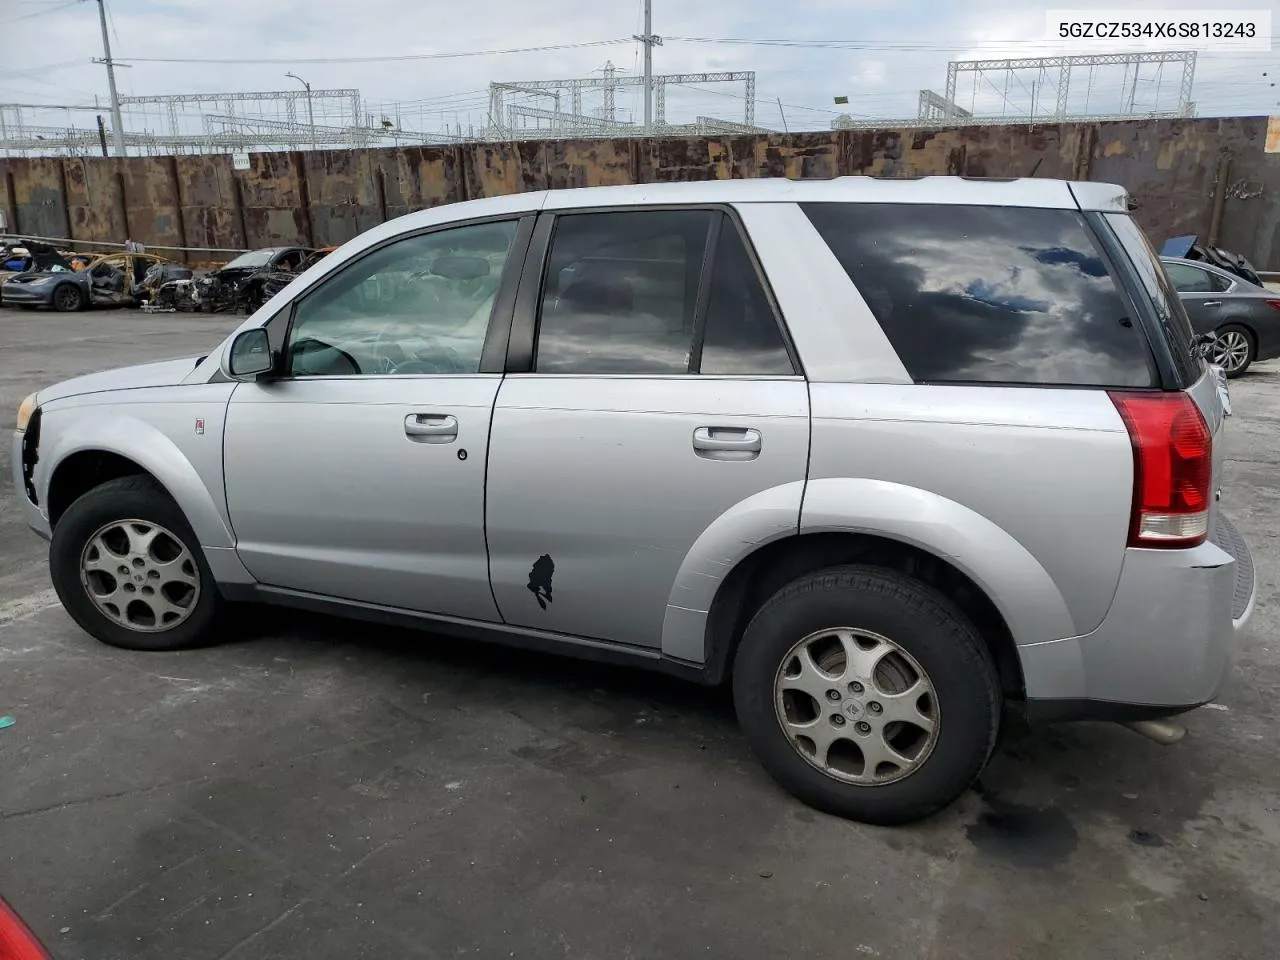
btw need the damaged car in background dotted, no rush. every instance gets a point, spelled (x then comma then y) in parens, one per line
(1189, 247)
(237, 287)
(164, 287)
(19, 255)
(111, 280)
(240, 286)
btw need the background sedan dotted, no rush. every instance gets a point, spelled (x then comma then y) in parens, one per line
(1244, 318)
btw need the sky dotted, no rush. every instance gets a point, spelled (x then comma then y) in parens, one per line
(876, 53)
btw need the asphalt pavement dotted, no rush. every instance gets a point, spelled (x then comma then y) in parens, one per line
(319, 789)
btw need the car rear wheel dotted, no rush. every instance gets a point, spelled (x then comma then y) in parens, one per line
(68, 298)
(1233, 349)
(128, 568)
(867, 694)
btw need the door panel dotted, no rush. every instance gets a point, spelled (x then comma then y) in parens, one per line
(332, 491)
(611, 458)
(598, 488)
(1204, 310)
(110, 281)
(360, 474)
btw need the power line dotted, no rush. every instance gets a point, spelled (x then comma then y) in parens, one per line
(43, 13)
(385, 59)
(892, 45)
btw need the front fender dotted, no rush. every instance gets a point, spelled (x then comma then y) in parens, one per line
(741, 530)
(1023, 592)
(87, 429)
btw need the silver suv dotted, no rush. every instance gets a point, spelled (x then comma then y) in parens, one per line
(888, 455)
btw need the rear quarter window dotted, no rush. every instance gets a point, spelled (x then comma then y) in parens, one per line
(978, 294)
(1171, 316)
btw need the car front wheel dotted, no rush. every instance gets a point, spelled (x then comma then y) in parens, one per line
(68, 298)
(867, 694)
(128, 568)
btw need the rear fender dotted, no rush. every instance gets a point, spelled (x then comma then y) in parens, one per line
(741, 530)
(1023, 592)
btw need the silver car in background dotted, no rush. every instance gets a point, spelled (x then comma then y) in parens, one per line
(891, 457)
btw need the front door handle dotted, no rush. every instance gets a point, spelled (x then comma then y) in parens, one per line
(726, 443)
(1211, 303)
(431, 427)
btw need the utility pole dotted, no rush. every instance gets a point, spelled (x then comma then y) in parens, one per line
(650, 41)
(311, 120)
(117, 124)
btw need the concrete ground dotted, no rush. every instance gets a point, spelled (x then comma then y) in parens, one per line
(317, 789)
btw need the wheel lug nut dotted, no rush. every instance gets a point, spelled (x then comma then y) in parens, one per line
(874, 707)
(855, 687)
(864, 727)
(837, 720)
(833, 694)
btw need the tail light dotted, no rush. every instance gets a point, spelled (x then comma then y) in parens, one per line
(17, 942)
(1274, 304)
(1172, 468)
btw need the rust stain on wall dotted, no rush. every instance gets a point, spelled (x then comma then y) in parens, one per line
(1167, 165)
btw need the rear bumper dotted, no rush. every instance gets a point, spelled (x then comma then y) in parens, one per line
(1166, 645)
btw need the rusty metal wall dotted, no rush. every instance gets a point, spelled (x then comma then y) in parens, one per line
(1207, 176)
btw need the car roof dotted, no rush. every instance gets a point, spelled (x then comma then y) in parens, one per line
(1012, 192)
(1018, 191)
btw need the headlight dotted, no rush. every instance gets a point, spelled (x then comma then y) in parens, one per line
(25, 410)
(40, 281)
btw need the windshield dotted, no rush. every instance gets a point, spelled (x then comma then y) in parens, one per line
(254, 258)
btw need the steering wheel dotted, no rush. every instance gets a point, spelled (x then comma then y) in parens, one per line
(434, 357)
(386, 353)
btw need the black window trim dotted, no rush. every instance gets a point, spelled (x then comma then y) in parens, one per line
(492, 354)
(1138, 300)
(524, 326)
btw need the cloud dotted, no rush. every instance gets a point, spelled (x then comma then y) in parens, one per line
(47, 58)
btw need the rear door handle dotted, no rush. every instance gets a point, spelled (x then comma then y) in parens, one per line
(1211, 303)
(431, 427)
(727, 443)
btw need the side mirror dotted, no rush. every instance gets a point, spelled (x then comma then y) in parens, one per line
(249, 356)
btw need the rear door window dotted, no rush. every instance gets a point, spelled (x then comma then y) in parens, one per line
(1189, 279)
(980, 294)
(742, 335)
(621, 292)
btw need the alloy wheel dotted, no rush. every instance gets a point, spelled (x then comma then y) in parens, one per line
(67, 298)
(140, 575)
(857, 706)
(1231, 350)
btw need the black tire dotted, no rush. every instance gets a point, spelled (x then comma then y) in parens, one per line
(922, 622)
(129, 498)
(1251, 352)
(67, 298)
